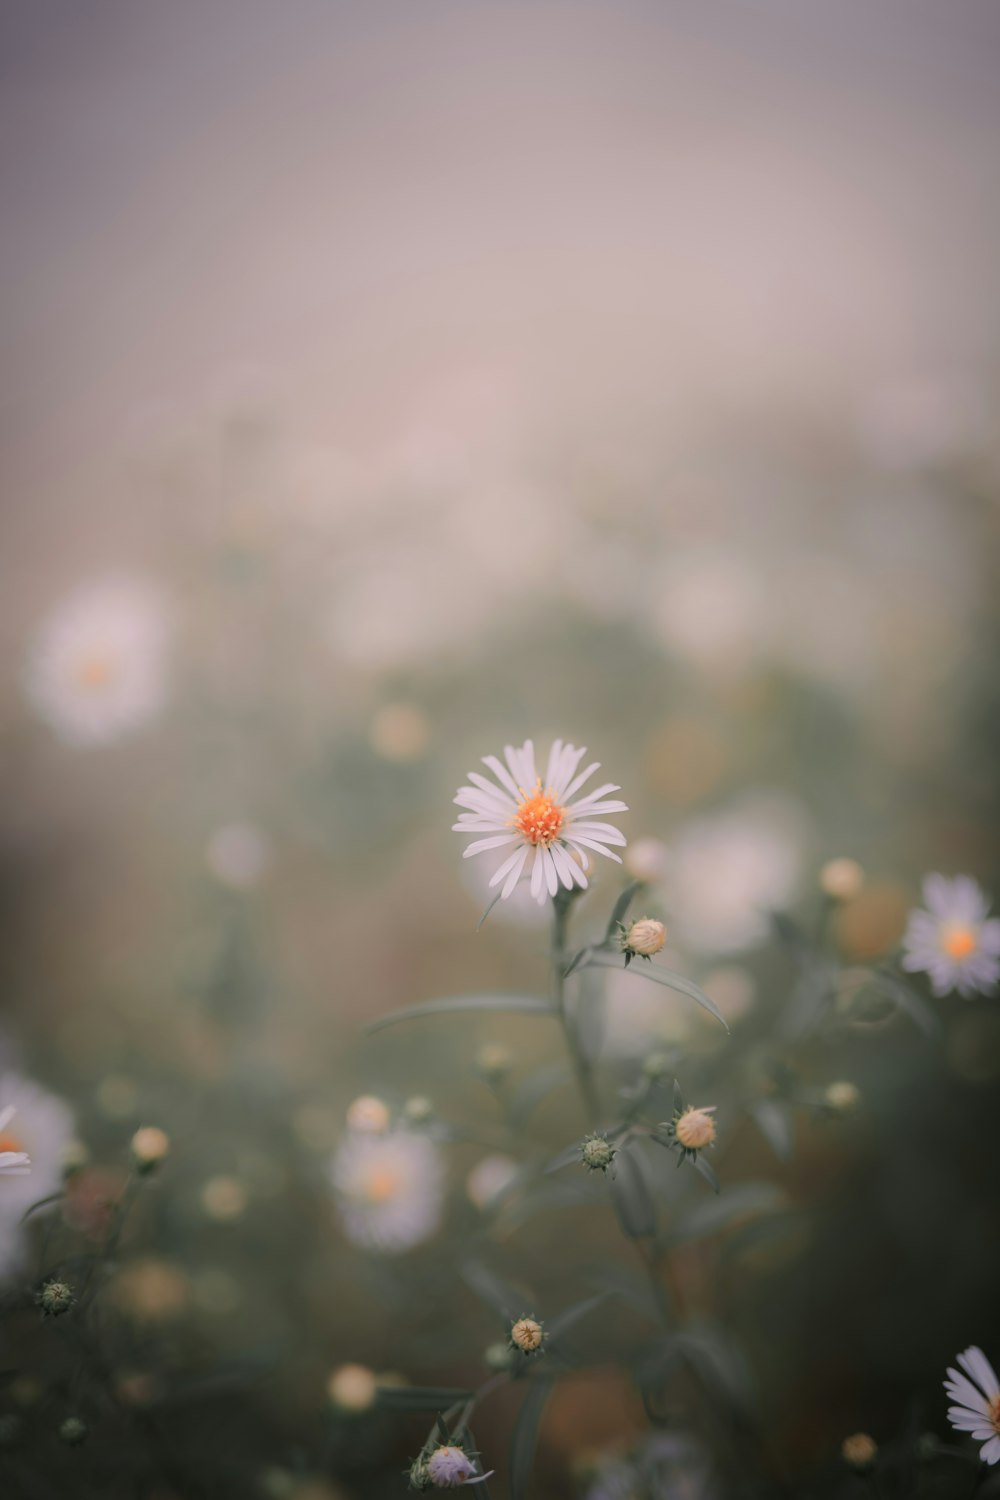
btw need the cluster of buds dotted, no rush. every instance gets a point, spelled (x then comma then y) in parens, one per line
(692, 1129)
(597, 1152)
(527, 1336)
(641, 939)
(55, 1298)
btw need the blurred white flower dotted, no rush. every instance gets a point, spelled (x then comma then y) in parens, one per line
(390, 1189)
(368, 1115)
(978, 1410)
(954, 941)
(548, 830)
(238, 854)
(647, 860)
(12, 1160)
(97, 668)
(42, 1128)
(489, 1178)
(713, 610)
(730, 869)
(639, 1016)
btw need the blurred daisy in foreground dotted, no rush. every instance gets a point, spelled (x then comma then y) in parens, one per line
(12, 1161)
(97, 668)
(730, 870)
(550, 834)
(389, 1189)
(953, 941)
(40, 1126)
(978, 1411)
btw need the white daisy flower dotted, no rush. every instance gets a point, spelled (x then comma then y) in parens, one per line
(97, 668)
(389, 1188)
(40, 1125)
(979, 1398)
(953, 940)
(550, 835)
(12, 1161)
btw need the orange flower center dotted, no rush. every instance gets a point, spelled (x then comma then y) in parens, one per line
(539, 818)
(958, 941)
(95, 671)
(994, 1414)
(382, 1184)
(10, 1142)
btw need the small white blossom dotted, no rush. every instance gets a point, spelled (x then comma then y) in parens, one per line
(952, 939)
(550, 834)
(978, 1411)
(389, 1188)
(97, 668)
(42, 1128)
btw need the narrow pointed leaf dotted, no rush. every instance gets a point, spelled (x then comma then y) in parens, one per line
(663, 976)
(459, 1004)
(909, 1001)
(525, 1437)
(621, 907)
(775, 1124)
(506, 1300)
(631, 1197)
(559, 1326)
(420, 1397)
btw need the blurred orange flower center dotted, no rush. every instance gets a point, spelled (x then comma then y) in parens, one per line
(10, 1142)
(958, 941)
(95, 671)
(539, 818)
(382, 1183)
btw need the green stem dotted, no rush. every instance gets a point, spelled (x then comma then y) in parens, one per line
(581, 1064)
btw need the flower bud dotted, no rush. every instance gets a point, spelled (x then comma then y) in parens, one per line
(841, 879)
(644, 937)
(646, 860)
(656, 1065)
(695, 1128)
(55, 1298)
(597, 1153)
(73, 1431)
(497, 1357)
(489, 1178)
(368, 1115)
(74, 1158)
(418, 1110)
(527, 1335)
(352, 1388)
(859, 1450)
(150, 1148)
(842, 1097)
(494, 1061)
(448, 1467)
(420, 1479)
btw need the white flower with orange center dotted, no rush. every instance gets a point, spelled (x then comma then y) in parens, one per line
(952, 939)
(978, 1393)
(548, 829)
(97, 668)
(39, 1125)
(390, 1188)
(13, 1162)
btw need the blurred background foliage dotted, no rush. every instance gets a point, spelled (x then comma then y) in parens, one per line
(455, 374)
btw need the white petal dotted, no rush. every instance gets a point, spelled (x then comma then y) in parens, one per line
(515, 872)
(595, 795)
(578, 782)
(607, 833)
(503, 775)
(568, 868)
(578, 842)
(491, 792)
(555, 759)
(507, 865)
(965, 1392)
(571, 759)
(537, 875)
(974, 1361)
(991, 1452)
(551, 873)
(493, 843)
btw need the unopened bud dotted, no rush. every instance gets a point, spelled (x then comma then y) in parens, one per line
(73, 1431)
(695, 1128)
(449, 1466)
(841, 879)
(842, 1097)
(497, 1357)
(352, 1388)
(418, 1110)
(643, 938)
(646, 860)
(859, 1450)
(597, 1153)
(55, 1298)
(494, 1061)
(150, 1148)
(368, 1116)
(527, 1335)
(74, 1158)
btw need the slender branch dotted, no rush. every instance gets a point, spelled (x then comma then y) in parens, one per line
(581, 1064)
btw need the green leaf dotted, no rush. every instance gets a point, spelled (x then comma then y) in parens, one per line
(420, 1397)
(631, 1197)
(774, 1121)
(663, 976)
(506, 1300)
(458, 1004)
(525, 1437)
(908, 1000)
(560, 1325)
(703, 1165)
